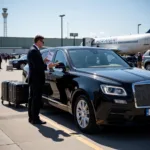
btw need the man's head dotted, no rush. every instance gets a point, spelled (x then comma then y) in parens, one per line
(39, 41)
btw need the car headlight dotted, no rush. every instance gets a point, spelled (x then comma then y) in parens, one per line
(113, 90)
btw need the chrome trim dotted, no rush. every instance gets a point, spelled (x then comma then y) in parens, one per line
(54, 101)
(105, 85)
(133, 89)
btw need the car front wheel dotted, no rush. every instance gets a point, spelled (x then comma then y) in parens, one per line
(147, 67)
(84, 114)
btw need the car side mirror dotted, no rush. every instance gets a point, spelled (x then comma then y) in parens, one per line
(61, 65)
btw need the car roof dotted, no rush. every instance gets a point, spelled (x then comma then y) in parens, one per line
(74, 47)
(46, 49)
(71, 47)
(80, 47)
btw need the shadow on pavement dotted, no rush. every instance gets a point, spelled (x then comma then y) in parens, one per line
(52, 133)
(113, 136)
(124, 138)
(20, 108)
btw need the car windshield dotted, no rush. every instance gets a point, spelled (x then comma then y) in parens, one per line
(90, 58)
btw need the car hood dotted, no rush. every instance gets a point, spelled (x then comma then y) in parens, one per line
(128, 75)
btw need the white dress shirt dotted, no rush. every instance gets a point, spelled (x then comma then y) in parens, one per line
(36, 46)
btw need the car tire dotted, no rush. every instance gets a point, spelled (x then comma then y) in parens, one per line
(147, 66)
(84, 112)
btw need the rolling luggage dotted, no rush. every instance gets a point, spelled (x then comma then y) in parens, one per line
(5, 91)
(18, 93)
(9, 67)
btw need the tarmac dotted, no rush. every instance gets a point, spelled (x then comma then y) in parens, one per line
(60, 132)
(16, 133)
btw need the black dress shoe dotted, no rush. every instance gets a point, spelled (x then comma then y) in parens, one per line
(30, 120)
(38, 122)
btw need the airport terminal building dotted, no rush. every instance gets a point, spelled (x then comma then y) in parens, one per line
(22, 44)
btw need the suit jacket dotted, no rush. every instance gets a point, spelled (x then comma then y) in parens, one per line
(36, 66)
(0, 58)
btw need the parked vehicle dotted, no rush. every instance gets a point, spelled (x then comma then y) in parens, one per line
(146, 60)
(97, 87)
(19, 63)
(132, 60)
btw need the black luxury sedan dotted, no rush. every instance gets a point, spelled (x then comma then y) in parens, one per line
(19, 63)
(97, 87)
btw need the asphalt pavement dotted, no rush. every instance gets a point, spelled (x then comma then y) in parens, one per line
(60, 132)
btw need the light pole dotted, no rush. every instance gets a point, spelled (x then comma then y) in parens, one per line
(67, 30)
(74, 35)
(138, 27)
(61, 16)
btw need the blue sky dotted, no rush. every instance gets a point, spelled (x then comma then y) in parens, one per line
(101, 18)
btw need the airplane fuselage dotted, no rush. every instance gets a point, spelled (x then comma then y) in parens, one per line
(131, 44)
(125, 44)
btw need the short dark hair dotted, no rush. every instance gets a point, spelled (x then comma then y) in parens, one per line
(37, 38)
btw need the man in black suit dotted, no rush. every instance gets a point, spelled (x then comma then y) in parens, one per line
(37, 69)
(36, 81)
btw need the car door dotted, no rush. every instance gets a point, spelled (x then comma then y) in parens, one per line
(47, 91)
(58, 78)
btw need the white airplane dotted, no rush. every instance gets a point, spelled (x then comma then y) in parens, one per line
(129, 44)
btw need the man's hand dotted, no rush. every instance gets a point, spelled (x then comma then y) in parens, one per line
(51, 65)
(46, 60)
(56, 64)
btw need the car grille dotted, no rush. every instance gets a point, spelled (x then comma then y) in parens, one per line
(142, 95)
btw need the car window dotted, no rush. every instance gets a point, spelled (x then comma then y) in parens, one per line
(60, 57)
(46, 53)
(147, 53)
(87, 58)
(110, 57)
(112, 60)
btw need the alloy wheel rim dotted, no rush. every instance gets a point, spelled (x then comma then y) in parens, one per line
(148, 67)
(82, 113)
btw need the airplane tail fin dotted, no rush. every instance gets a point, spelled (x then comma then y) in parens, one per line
(148, 31)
